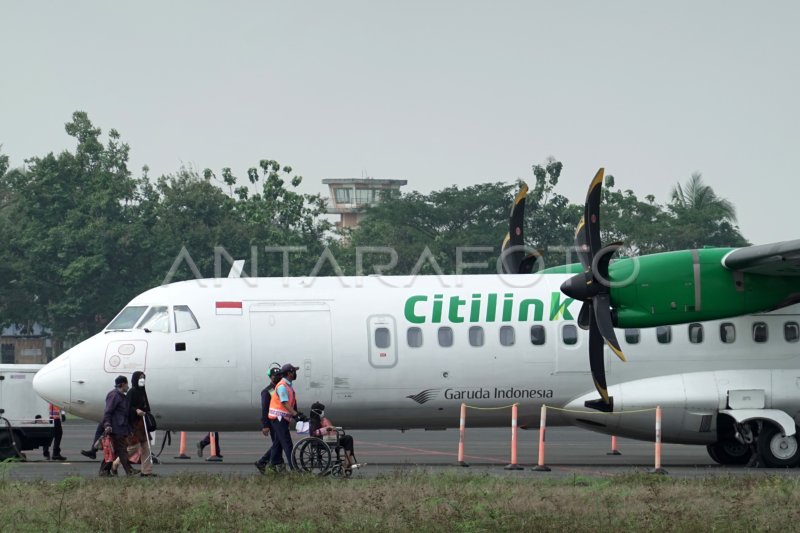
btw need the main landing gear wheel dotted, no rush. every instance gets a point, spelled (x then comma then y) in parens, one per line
(729, 452)
(776, 450)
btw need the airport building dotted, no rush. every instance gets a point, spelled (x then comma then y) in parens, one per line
(350, 198)
(27, 345)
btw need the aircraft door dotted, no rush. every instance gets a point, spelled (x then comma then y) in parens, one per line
(382, 341)
(297, 333)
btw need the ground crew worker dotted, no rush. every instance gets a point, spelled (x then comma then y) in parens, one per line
(266, 426)
(55, 417)
(282, 409)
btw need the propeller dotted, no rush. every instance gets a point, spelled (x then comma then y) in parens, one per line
(514, 258)
(592, 287)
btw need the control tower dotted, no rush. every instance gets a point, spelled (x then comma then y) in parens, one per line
(350, 198)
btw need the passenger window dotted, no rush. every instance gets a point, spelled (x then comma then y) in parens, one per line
(664, 334)
(727, 332)
(184, 319)
(569, 334)
(383, 339)
(537, 335)
(633, 335)
(760, 332)
(127, 318)
(156, 319)
(414, 337)
(476, 336)
(507, 336)
(445, 337)
(791, 332)
(695, 333)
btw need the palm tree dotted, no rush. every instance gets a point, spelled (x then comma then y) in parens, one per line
(698, 197)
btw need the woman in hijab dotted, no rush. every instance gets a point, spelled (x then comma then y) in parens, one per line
(139, 406)
(319, 426)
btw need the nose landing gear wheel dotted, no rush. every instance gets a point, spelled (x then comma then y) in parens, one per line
(776, 450)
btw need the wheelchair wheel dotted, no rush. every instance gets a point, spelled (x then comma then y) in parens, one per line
(312, 455)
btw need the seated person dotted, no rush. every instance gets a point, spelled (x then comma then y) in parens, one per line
(319, 426)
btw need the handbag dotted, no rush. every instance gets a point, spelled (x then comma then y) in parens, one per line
(151, 422)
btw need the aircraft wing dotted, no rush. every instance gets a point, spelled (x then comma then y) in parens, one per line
(776, 259)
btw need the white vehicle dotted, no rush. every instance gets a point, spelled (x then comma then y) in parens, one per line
(404, 352)
(25, 415)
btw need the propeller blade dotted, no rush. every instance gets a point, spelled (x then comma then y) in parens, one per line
(601, 261)
(591, 216)
(529, 263)
(602, 314)
(585, 316)
(512, 261)
(596, 360)
(582, 245)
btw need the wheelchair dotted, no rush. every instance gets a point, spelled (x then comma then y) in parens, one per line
(321, 456)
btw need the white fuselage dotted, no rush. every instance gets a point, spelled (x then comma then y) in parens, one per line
(350, 337)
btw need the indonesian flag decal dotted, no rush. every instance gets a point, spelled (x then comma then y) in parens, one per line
(229, 308)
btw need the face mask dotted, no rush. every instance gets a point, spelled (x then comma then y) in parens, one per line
(141, 382)
(322, 414)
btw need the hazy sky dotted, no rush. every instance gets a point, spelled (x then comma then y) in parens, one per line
(437, 93)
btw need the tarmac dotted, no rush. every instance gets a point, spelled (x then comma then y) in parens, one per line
(569, 452)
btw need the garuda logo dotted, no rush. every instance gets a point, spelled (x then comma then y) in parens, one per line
(424, 396)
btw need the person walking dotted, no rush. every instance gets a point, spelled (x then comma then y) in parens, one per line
(58, 432)
(91, 453)
(266, 426)
(115, 422)
(138, 408)
(282, 409)
(205, 441)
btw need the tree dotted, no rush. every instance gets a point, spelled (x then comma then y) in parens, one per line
(442, 221)
(640, 225)
(701, 218)
(73, 237)
(551, 219)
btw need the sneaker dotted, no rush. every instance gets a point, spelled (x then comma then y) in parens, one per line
(59, 457)
(261, 468)
(91, 454)
(46, 454)
(199, 450)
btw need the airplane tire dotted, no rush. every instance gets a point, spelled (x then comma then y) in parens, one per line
(777, 451)
(729, 452)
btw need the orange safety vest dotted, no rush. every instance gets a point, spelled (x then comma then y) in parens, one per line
(55, 412)
(276, 407)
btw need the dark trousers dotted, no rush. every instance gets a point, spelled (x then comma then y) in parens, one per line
(58, 432)
(207, 441)
(97, 434)
(267, 457)
(120, 443)
(283, 442)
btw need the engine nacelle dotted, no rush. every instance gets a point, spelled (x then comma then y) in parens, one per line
(691, 404)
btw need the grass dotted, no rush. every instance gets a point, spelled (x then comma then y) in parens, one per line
(401, 502)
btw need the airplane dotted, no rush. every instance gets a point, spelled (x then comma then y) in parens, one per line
(712, 336)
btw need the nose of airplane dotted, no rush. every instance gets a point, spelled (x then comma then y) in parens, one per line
(53, 382)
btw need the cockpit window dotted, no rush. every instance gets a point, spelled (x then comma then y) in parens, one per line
(156, 319)
(184, 319)
(127, 317)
